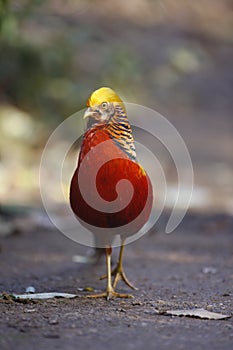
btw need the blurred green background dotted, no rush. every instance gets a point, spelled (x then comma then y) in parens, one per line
(173, 56)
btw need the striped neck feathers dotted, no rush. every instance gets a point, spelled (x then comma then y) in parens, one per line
(120, 131)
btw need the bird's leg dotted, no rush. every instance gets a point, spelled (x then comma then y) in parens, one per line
(110, 293)
(118, 271)
(110, 289)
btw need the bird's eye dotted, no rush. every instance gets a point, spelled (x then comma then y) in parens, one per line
(104, 105)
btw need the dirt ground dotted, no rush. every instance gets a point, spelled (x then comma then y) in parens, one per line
(190, 268)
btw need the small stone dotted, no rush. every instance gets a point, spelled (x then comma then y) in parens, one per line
(53, 320)
(29, 310)
(88, 289)
(30, 289)
(209, 269)
(122, 310)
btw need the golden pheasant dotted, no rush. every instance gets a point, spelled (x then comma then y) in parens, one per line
(108, 152)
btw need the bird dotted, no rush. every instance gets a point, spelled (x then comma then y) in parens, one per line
(108, 151)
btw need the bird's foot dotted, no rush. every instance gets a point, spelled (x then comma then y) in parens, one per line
(119, 274)
(110, 294)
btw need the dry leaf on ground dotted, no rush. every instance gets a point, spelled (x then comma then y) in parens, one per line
(199, 313)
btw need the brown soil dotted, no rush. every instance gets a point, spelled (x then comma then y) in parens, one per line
(167, 269)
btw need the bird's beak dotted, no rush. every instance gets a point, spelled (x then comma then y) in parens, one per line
(88, 113)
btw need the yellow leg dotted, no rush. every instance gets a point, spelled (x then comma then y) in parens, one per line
(110, 293)
(118, 272)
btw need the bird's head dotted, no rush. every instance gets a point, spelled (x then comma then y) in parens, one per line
(101, 106)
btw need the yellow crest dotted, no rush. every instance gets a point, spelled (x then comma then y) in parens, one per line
(104, 94)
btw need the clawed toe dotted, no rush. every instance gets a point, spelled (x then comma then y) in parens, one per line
(119, 274)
